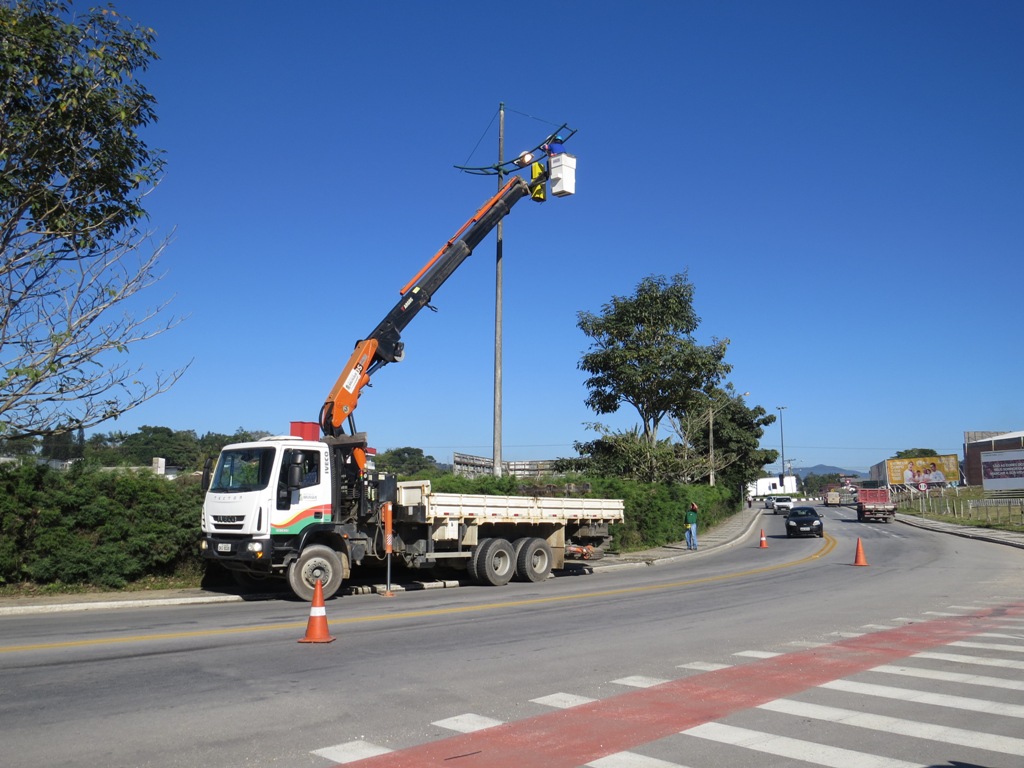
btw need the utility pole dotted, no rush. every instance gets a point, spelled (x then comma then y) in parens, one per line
(496, 468)
(567, 182)
(782, 443)
(711, 445)
(711, 441)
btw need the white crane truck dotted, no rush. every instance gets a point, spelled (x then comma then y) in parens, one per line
(309, 509)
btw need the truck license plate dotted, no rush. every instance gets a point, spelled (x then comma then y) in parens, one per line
(224, 547)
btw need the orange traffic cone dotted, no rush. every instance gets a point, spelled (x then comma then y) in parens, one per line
(316, 628)
(860, 559)
(764, 541)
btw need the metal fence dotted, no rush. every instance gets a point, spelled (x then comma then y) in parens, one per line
(467, 465)
(1003, 511)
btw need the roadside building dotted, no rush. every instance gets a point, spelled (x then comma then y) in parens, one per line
(976, 443)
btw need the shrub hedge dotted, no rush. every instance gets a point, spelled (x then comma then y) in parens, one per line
(96, 527)
(92, 526)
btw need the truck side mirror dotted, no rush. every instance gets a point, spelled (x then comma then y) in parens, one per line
(294, 476)
(207, 473)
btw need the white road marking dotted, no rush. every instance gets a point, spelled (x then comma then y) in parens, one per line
(950, 677)
(704, 666)
(796, 749)
(467, 723)
(639, 681)
(961, 658)
(631, 760)
(562, 700)
(758, 654)
(988, 646)
(925, 697)
(351, 751)
(918, 730)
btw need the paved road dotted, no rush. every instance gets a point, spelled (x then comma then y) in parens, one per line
(781, 657)
(732, 532)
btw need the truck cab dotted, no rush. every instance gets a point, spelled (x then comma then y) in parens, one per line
(267, 501)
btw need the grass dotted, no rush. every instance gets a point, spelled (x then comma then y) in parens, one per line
(187, 578)
(954, 506)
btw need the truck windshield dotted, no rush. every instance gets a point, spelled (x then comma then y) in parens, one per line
(243, 469)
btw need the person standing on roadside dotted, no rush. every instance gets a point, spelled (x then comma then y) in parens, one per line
(691, 526)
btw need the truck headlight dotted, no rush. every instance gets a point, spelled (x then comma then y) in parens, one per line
(204, 544)
(254, 546)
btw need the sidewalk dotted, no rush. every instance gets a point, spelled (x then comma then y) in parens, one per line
(729, 533)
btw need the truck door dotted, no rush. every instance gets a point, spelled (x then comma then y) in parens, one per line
(303, 491)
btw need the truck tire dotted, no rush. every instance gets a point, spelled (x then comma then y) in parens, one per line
(533, 560)
(317, 562)
(472, 565)
(496, 563)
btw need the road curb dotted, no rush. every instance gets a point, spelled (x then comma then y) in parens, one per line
(957, 530)
(105, 605)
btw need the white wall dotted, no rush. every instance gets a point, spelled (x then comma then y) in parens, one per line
(769, 486)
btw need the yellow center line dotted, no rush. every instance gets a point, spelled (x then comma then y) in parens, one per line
(827, 546)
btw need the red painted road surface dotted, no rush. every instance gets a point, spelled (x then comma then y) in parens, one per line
(575, 736)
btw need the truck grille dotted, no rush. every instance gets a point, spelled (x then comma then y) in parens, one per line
(229, 522)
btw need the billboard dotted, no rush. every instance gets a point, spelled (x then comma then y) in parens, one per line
(925, 472)
(1002, 470)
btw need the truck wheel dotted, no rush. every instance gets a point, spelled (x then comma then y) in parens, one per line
(473, 564)
(317, 562)
(533, 560)
(497, 562)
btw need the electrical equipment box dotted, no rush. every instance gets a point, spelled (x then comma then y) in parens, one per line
(562, 172)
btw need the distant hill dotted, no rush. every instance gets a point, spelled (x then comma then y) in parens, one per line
(822, 469)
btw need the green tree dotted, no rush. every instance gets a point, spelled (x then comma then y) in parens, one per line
(405, 461)
(814, 485)
(18, 447)
(914, 453)
(73, 174)
(626, 454)
(719, 436)
(643, 353)
(63, 446)
(180, 448)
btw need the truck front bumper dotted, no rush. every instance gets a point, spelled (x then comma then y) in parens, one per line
(256, 553)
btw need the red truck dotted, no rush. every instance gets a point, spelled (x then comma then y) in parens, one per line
(875, 504)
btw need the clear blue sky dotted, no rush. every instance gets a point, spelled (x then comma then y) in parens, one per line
(841, 180)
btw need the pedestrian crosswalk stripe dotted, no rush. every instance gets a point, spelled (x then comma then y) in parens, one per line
(989, 646)
(946, 734)
(795, 749)
(950, 677)
(926, 697)
(467, 723)
(351, 751)
(631, 760)
(704, 666)
(961, 658)
(562, 700)
(639, 681)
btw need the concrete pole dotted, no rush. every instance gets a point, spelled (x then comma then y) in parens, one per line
(498, 303)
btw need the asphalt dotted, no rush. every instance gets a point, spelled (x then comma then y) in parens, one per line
(732, 532)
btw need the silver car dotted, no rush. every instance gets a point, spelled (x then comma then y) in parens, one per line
(782, 504)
